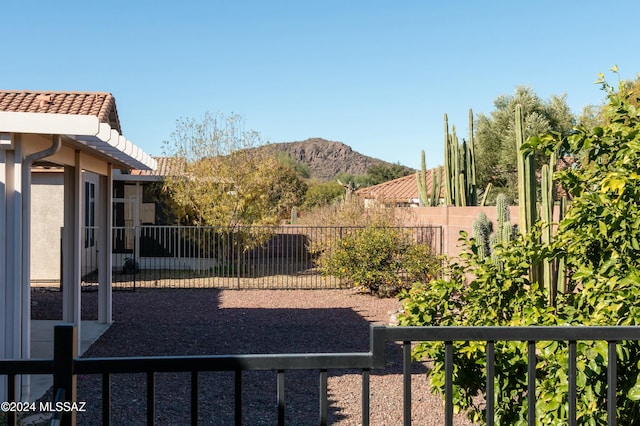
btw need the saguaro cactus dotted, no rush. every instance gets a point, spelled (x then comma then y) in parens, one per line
(436, 185)
(470, 169)
(526, 180)
(421, 181)
(424, 198)
(448, 164)
(550, 274)
(460, 167)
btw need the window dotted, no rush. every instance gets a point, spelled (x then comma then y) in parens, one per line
(89, 213)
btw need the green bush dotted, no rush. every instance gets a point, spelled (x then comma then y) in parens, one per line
(507, 297)
(420, 264)
(380, 260)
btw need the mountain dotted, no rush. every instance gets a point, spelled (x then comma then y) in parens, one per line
(325, 159)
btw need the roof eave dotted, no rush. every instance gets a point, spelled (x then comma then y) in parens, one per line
(85, 129)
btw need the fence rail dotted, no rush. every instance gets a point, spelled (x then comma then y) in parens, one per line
(66, 365)
(256, 257)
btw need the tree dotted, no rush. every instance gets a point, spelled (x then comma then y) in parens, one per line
(321, 194)
(225, 183)
(594, 115)
(380, 173)
(495, 135)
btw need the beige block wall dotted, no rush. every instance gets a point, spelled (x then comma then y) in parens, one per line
(455, 219)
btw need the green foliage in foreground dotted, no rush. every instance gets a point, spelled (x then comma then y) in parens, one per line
(598, 240)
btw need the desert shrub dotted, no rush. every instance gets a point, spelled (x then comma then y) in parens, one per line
(367, 258)
(379, 260)
(352, 213)
(343, 215)
(420, 264)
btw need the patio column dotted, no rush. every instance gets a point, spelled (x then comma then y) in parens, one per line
(105, 246)
(71, 245)
(12, 332)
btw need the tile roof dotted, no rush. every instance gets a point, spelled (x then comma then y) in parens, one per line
(404, 189)
(166, 166)
(101, 105)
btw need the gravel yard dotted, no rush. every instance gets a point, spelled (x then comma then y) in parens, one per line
(208, 321)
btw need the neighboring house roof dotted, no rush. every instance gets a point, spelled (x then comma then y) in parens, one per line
(167, 166)
(102, 105)
(404, 189)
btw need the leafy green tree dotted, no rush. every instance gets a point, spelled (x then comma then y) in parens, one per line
(224, 182)
(322, 193)
(380, 173)
(495, 135)
(359, 181)
(287, 190)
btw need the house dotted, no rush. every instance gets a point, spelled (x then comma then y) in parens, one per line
(400, 192)
(137, 197)
(79, 134)
(136, 201)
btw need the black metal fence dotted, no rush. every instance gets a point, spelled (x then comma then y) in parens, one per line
(243, 258)
(66, 366)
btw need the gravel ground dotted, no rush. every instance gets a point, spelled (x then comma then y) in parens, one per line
(207, 321)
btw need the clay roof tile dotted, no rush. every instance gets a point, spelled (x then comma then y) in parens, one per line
(99, 104)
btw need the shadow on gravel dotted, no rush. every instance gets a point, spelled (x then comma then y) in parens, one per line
(164, 322)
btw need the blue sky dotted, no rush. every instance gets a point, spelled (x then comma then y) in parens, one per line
(376, 75)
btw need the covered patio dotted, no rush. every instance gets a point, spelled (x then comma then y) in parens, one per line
(81, 133)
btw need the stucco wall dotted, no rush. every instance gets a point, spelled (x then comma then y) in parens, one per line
(456, 219)
(47, 218)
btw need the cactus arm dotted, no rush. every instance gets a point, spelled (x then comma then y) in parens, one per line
(472, 162)
(526, 179)
(483, 201)
(421, 181)
(448, 163)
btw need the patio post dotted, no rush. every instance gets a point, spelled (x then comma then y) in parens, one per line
(105, 247)
(71, 245)
(11, 331)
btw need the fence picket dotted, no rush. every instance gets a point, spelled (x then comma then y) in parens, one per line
(282, 257)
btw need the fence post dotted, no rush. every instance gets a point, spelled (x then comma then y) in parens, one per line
(377, 345)
(136, 238)
(237, 244)
(65, 349)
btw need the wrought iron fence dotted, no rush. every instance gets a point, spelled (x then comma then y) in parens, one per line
(66, 366)
(256, 257)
